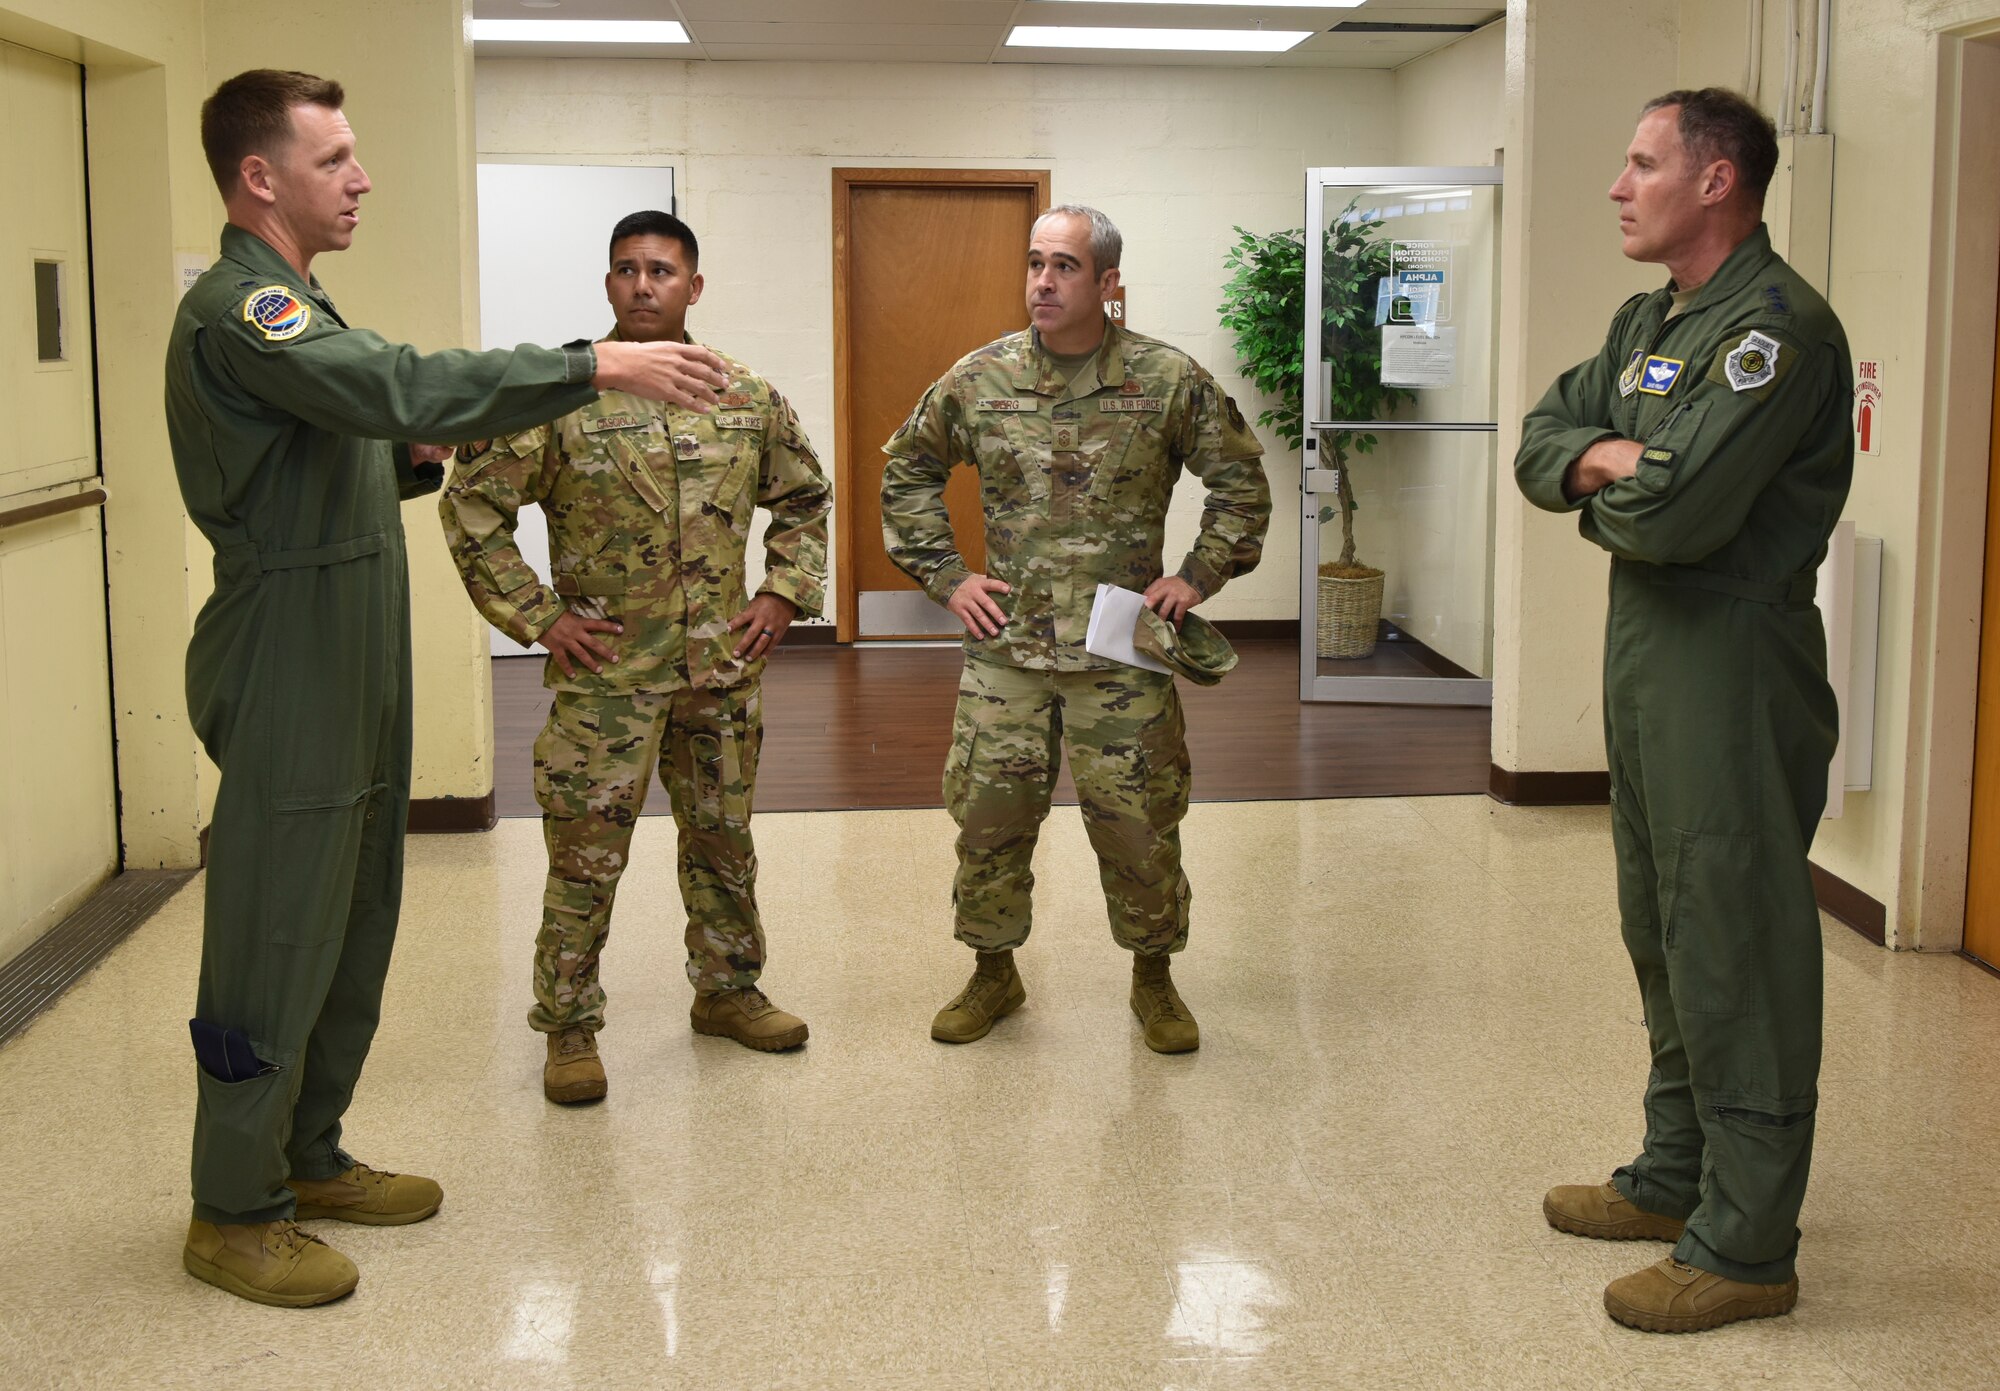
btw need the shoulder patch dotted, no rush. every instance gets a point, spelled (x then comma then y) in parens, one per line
(277, 312)
(1752, 363)
(1628, 380)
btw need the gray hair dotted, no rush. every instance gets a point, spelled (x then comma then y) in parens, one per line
(1105, 244)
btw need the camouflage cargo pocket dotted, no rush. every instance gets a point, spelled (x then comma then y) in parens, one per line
(562, 758)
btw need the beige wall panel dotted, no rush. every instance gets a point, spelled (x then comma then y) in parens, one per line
(1570, 114)
(1175, 157)
(50, 437)
(409, 276)
(58, 825)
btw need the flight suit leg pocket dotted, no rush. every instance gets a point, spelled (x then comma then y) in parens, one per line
(314, 847)
(1709, 906)
(720, 757)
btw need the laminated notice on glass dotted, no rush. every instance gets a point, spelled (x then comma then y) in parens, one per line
(1419, 356)
(1420, 279)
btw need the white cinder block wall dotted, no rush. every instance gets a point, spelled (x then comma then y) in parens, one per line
(1175, 155)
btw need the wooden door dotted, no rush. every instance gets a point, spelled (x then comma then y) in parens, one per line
(928, 265)
(1982, 888)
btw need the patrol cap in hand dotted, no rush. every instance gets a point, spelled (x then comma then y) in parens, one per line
(1196, 649)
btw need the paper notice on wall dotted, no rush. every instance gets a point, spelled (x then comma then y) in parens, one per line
(1419, 357)
(189, 266)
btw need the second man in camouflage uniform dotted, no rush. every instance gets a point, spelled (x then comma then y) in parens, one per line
(654, 653)
(1078, 430)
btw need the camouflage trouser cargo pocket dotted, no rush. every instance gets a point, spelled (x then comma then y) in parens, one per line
(1127, 741)
(593, 762)
(714, 738)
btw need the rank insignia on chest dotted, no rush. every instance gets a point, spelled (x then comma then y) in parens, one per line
(1007, 403)
(748, 421)
(1657, 375)
(1131, 405)
(687, 446)
(1752, 363)
(1628, 380)
(1066, 437)
(599, 424)
(278, 313)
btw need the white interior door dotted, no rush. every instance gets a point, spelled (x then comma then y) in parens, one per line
(544, 245)
(58, 800)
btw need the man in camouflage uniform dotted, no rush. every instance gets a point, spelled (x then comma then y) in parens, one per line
(649, 511)
(1078, 430)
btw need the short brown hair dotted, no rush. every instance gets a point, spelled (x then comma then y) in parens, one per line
(1716, 123)
(251, 114)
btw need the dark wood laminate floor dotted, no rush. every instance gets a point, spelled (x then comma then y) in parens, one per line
(848, 728)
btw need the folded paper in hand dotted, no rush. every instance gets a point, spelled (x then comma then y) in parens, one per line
(1113, 620)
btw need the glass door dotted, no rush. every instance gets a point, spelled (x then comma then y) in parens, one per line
(1396, 517)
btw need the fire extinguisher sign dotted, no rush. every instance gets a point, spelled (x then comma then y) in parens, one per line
(1868, 407)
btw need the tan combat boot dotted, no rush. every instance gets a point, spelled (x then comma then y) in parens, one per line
(268, 1262)
(749, 1017)
(371, 1197)
(573, 1072)
(1170, 1028)
(1600, 1210)
(994, 990)
(1673, 1297)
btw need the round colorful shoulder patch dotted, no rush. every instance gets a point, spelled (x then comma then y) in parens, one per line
(278, 313)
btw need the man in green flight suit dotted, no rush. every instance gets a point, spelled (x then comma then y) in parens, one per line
(1707, 447)
(1078, 430)
(649, 513)
(298, 672)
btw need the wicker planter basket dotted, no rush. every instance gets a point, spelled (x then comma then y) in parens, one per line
(1350, 614)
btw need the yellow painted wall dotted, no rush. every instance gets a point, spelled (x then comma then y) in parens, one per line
(1174, 155)
(1897, 842)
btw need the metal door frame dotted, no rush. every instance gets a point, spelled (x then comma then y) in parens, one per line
(1361, 690)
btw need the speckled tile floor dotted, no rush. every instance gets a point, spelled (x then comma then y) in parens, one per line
(1416, 1016)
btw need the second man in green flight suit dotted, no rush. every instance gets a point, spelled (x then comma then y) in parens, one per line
(654, 652)
(1707, 447)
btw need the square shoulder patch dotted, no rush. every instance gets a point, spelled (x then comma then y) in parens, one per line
(1658, 374)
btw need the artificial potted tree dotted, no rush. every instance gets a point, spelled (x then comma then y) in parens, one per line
(1264, 306)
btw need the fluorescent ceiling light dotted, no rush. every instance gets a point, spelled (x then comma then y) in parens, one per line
(629, 31)
(1177, 40)
(1257, 4)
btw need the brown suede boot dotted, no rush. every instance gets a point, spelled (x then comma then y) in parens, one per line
(1170, 1027)
(573, 1072)
(994, 991)
(749, 1017)
(268, 1262)
(368, 1196)
(1672, 1297)
(1600, 1210)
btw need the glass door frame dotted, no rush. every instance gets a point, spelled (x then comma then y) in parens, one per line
(1315, 482)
